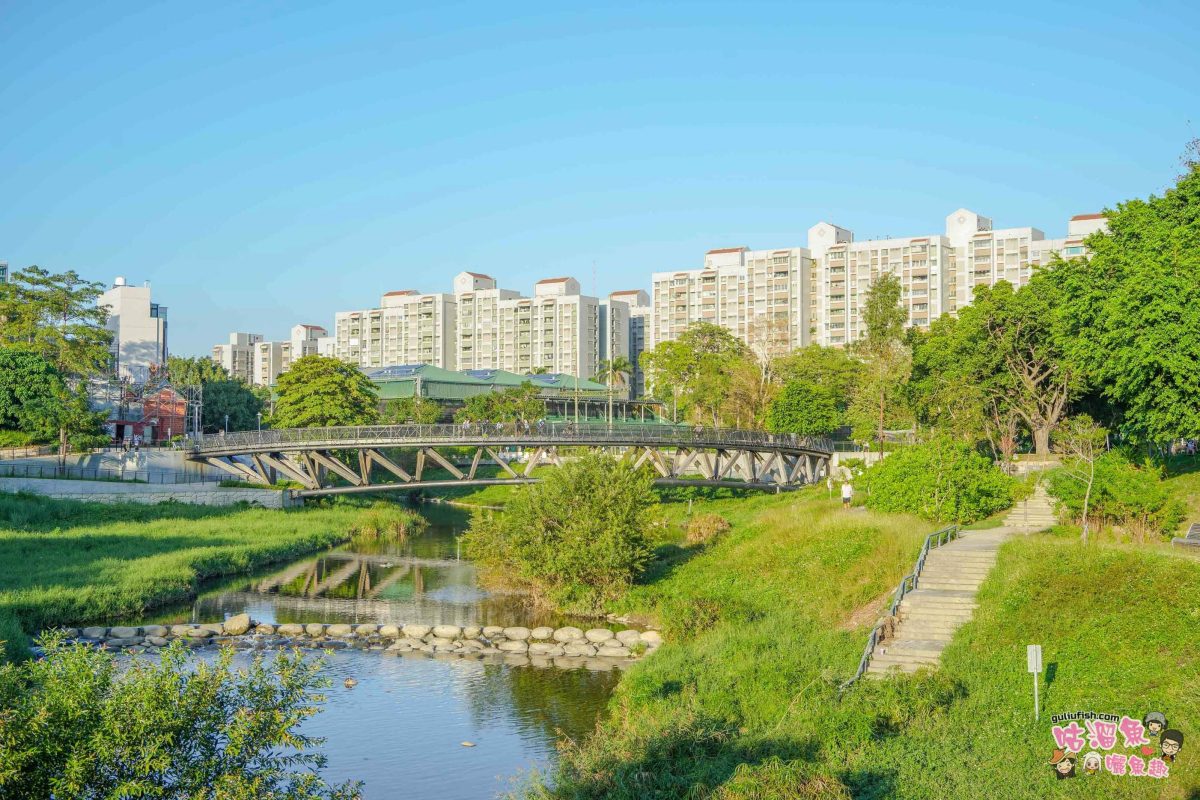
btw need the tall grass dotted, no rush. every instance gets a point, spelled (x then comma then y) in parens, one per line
(74, 563)
(743, 702)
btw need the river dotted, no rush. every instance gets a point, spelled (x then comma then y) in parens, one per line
(400, 730)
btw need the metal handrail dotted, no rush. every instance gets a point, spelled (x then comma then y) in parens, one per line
(907, 584)
(554, 433)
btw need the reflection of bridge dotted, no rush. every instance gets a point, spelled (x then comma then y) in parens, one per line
(402, 454)
(333, 570)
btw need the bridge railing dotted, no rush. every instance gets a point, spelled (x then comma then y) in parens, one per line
(503, 433)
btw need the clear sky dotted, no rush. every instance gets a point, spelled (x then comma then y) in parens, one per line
(264, 164)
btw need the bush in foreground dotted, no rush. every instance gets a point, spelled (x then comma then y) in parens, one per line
(74, 725)
(941, 480)
(576, 540)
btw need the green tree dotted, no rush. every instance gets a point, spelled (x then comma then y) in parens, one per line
(418, 410)
(230, 398)
(1080, 441)
(194, 371)
(833, 368)
(319, 391)
(878, 400)
(31, 394)
(578, 538)
(804, 409)
(1133, 312)
(75, 724)
(514, 404)
(694, 371)
(56, 317)
(943, 479)
(614, 372)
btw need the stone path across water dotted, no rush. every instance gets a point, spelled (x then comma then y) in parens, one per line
(567, 646)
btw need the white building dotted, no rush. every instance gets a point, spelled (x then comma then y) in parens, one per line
(407, 328)
(557, 330)
(477, 330)
(938, 273)
(139, 327)
(639, 311)
(237, 356)
(761, 296)
(3, 272)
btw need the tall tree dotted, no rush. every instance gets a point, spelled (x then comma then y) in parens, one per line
(614, 372)
(230, 402)
(694, 371)
(418, 410)
(194, 371)
(1133, 312)
(319, 391)
(832, 368)
(1080, 441)
(879, 396)
(805, 409)
(56, 317)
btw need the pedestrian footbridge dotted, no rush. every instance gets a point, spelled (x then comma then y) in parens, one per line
(376, 458)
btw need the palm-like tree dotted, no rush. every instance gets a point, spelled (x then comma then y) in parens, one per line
(614, 371)
(540, 371)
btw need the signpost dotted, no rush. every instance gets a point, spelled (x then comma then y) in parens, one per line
(1033, 657)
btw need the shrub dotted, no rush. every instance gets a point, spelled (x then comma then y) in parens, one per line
(703, 528)
(942, 480)
(76, 725)
(576, 539)
(386, 521)
(1122, 494)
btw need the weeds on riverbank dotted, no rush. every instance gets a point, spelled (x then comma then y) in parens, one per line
(74, 563)
(386, 522)
(764, 626)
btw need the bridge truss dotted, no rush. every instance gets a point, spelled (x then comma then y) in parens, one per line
(388, 457)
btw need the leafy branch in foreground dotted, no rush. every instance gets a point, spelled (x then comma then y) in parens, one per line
(77, 725)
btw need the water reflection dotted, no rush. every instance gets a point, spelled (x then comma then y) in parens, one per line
(400, 729)
(421, 580)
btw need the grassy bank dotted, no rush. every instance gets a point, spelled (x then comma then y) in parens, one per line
(72, 563)
(742, 701)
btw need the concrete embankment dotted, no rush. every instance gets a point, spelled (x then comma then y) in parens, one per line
(599, 648)
(207, 494)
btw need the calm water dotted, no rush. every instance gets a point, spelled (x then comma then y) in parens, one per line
(400, 728)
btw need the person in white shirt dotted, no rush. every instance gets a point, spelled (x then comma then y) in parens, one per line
(847, 494)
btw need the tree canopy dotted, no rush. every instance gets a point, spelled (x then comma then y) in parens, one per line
(804, 408)
(232, 398)
(56, 316)
(514, 404)
(694, 372)
(194, 371)
(319, 391)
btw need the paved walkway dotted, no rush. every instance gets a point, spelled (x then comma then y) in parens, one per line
(944, 598)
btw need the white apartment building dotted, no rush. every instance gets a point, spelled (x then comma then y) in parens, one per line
(638, 303)
(237, 356)
(3, 272)
(557, 330)
(761, 296)
(938, 272)
(477, 331)
(407, 328)
(139, 328)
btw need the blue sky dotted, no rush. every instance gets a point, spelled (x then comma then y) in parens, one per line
(271, 163)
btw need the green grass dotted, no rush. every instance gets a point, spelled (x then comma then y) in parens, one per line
(74, 563)
(742, 701)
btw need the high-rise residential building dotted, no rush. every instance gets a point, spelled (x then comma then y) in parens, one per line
(3, 272)
(477, 330)
(638, 303)
(557, 330)
(139, 328)
(269, 362)
(407, 328)
(237, 356)
(761, 296)
(938, 273)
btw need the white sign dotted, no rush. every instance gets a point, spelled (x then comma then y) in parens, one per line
(1033, 654)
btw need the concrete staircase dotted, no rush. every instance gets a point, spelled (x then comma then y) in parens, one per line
(942, 601)
(1034, 513)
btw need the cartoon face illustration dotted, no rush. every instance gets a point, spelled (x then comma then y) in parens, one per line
(1063, 763)
(1171, 743)
(1091, 763)
(1155, 723)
